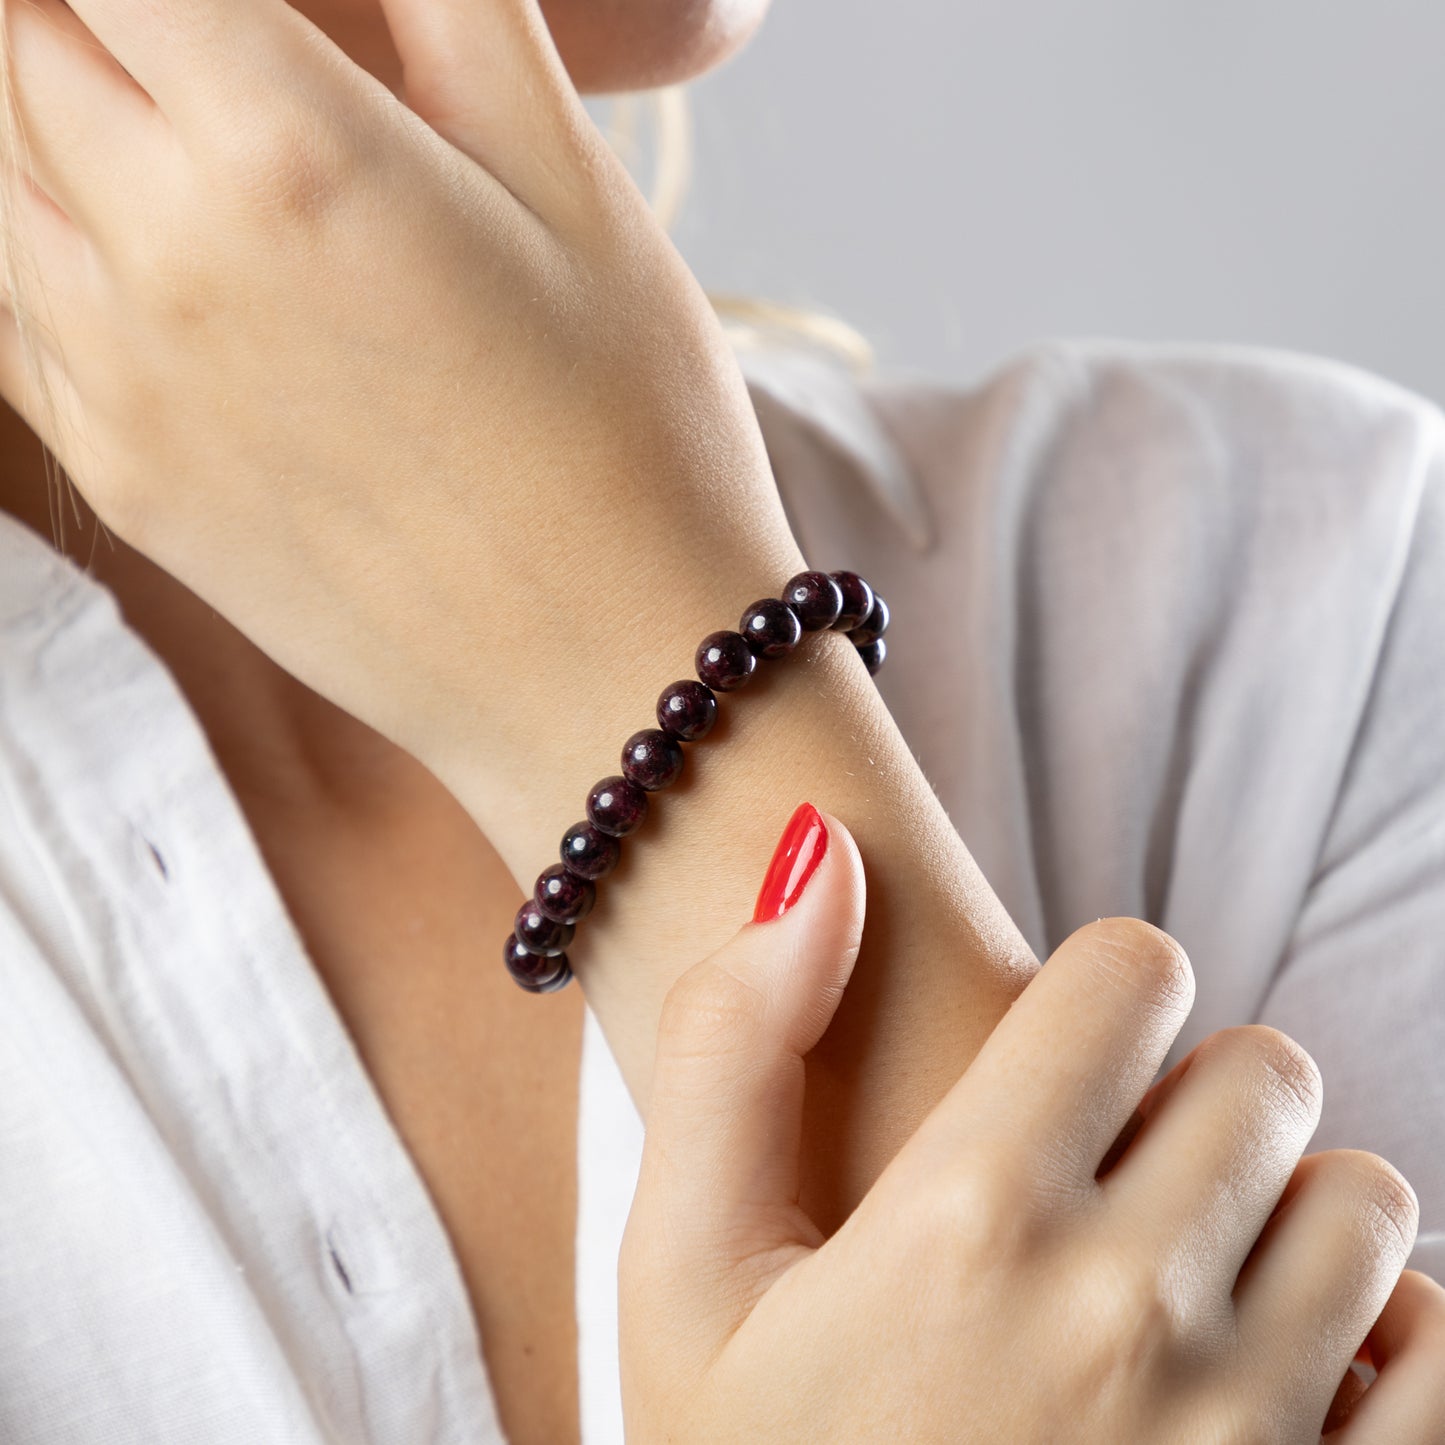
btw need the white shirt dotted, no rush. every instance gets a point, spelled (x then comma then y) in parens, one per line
(1168, 639)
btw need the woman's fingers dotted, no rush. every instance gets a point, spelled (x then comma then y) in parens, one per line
(193, 58)
(1406, 1403)
(1062, 1072)
(45, 255)
(1207, 1170)
(1322, 1270)
(1156, 1096)
(486, 75)
(106, 118)
(720, 1168)
(91, 138)
(112, 96)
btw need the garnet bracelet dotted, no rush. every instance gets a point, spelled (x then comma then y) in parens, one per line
(652, 759)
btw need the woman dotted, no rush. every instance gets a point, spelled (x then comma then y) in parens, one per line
(422, 401)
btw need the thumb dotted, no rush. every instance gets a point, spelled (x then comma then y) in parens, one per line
(719, 1178)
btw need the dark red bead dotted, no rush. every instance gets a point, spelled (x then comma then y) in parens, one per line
(617, 805)
(562, 895)
(816, 599)
(770, 628)
(724, 661)
(651, 759)
(588, 851)
(857, 600)
(535, 972)
(873, 653)
(686, 710)
(874, 625)
(560, 979)
(538, 933)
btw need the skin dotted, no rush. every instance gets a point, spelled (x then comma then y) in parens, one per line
(608, 46)
(942, 960)
(1038, 1254)
(325, 795)
(479, 1078)
(328, 797)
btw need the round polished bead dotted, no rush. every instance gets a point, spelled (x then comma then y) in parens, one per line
(539, 933)
(816, 599)
(535, 972)
(873, 653)
(857, 600)
(560, 979)
(617, 805)
(562, 895)
(588, 851)
(651, 759)
(770, 628)
(686, 710)
(724, 661)
(874, 625)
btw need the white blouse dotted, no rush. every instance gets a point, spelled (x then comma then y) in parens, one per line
(1168, 640)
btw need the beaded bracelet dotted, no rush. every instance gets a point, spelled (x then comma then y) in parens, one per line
(652, 759)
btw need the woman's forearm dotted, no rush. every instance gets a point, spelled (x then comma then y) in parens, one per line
(941, 960)
(488, 504)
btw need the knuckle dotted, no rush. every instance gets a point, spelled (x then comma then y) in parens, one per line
(1129, 1312)
(1144, 959)
(974, 1215)
(709, 1010)
(292, 167)
(175, 274)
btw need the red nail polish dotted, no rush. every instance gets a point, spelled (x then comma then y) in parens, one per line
(795, 860)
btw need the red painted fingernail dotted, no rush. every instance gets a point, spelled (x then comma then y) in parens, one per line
(795, 860)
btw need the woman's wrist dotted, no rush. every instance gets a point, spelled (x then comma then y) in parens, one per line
(940, 960)
(552, 649)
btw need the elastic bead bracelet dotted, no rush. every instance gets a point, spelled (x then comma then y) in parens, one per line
(535, 950)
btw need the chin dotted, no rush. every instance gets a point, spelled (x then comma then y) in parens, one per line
(609, 46)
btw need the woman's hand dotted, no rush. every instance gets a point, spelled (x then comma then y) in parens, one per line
(417, 406)
(1056, 1254)
(429, 408)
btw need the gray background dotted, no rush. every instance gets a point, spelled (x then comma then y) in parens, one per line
(959, 177)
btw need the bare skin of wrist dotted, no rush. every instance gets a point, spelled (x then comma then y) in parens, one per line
(940, 962)
(481, 496)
